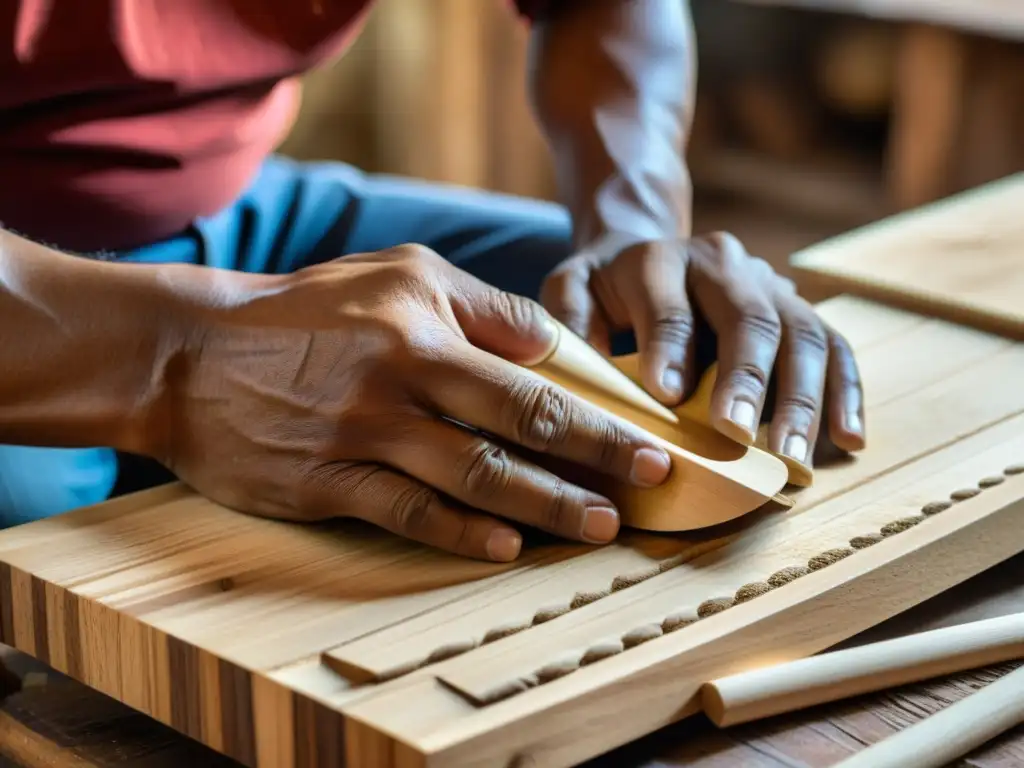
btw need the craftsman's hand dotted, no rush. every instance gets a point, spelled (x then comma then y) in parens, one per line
(675, 295)
(367, 387)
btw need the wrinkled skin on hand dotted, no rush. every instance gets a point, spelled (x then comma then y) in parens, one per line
(693, 302)
(379, 386)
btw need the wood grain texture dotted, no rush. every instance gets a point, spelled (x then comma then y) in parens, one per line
(63, 724)
(231, 629)
(958, 259)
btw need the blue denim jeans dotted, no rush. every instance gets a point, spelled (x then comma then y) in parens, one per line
(292, 215)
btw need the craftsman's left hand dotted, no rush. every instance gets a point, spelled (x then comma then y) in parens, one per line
(670, 293)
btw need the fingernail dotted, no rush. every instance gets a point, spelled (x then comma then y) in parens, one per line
(796, 448)
(743, 414)
(650, 467)
(503, 545)
(672, 382)
(600, 525)
(853, 424)
(852, 403)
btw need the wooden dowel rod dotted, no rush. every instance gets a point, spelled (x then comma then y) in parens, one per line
(951, 733)
(832, 676)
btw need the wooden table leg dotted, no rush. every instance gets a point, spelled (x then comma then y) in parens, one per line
(927, 111)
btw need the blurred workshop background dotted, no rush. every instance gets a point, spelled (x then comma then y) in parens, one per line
(812, 117)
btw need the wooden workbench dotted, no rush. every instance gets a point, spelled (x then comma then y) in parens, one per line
(58, 723)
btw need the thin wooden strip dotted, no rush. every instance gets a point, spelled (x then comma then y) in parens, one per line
(662, 678)
(749, 558)
(779, 543)
(511, 606)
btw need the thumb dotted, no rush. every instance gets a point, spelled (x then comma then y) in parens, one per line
(504, 324)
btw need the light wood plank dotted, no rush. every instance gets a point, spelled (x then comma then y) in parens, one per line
(959, 259)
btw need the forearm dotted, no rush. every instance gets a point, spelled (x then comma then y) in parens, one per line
(83, 348)
(613, 84)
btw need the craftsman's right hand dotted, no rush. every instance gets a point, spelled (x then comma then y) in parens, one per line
(367, 387)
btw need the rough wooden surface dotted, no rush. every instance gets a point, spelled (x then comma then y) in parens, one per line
(62, 724)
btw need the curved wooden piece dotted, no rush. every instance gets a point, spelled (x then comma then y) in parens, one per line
(697, 409)
(714, 479)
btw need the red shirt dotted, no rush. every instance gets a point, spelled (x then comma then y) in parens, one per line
(121, 121)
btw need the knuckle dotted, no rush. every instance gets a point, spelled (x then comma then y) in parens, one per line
(411, 508)
(843, 369)
(838, 344)
(807, 332)
(611, 438)
(721, 239)
(784, 285)
(325, 484)
(674, 327)
(557, 514)
(416, 253)
(761, 321)
(729, 247)
(423, 350)
(542, 415)
(488, 470)
(519, 310)
(749, 377)
(799, 403)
